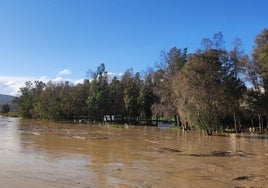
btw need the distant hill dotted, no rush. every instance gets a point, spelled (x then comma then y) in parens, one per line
(6, 99)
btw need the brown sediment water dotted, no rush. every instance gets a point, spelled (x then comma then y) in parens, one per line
(46, 154)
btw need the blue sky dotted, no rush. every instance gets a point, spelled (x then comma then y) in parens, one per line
(62, 39)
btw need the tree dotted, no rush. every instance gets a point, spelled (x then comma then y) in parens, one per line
(37, 91)
(260, 58)
(116, 97)
(257, 105)
(172, 62)
(146, 97)
(80, 95)
(51, 103)
(204, 88)
(132, 85)
(237, 58)
(237, 65)
(217, 42)
(258, 76)
(98, 103)
(25, 101)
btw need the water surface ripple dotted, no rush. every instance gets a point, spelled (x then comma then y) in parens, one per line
(46, 154)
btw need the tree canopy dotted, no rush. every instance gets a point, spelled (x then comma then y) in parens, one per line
(204, 89)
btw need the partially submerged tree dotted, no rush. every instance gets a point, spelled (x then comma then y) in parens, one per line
(26, 100)
(172, 62)
(257, 98)
(206, 87)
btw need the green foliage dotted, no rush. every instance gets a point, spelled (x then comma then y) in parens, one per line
(25, 101)
(260, 58)
(116, 97)
(98, 101)
(203, 89)
(172, 62)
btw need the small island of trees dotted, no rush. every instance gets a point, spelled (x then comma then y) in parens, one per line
(212, 89)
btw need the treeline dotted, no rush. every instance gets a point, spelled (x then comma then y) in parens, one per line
(210, 88)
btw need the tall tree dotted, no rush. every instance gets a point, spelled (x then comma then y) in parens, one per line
(131, 94)
(238, 63)
(258, 75)
(98, 103)
(116, 97)
(203, 88)
(260, 58)
(25, 101)
(237, 58)
(171, 63)
(80, 95)
(146, 96)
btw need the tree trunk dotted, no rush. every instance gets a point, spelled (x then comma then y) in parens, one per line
(209, 132)
(234, 116)
(175, 119)
(260, 123)
(252, 122)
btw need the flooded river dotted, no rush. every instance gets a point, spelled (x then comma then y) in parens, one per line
(45, 154)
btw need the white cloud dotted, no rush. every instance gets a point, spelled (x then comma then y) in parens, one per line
(58, 79)
(111, 75)
(11, 85)
(64, 72)
(80, 81)
(43, 79)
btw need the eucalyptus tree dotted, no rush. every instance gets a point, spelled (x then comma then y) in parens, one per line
(51, 102)
(98, 101)
(116, 97)
(171, 63)
(260, 58)
(67, 103)
(205, 87)
(198, 90)
(146, 96)
(131, 87)
(80, 95)
(37, 90)
(257, 106)
(258, 76)
(238, 62)
(25, 101)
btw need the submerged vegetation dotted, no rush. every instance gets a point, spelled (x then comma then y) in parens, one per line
(212, 88)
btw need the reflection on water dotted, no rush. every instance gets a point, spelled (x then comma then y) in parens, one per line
(45, 154)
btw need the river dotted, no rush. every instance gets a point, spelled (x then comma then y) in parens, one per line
(48, 154)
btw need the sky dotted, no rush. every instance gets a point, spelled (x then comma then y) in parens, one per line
(63, 39)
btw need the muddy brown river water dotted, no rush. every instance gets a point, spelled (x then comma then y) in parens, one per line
(45, 154)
